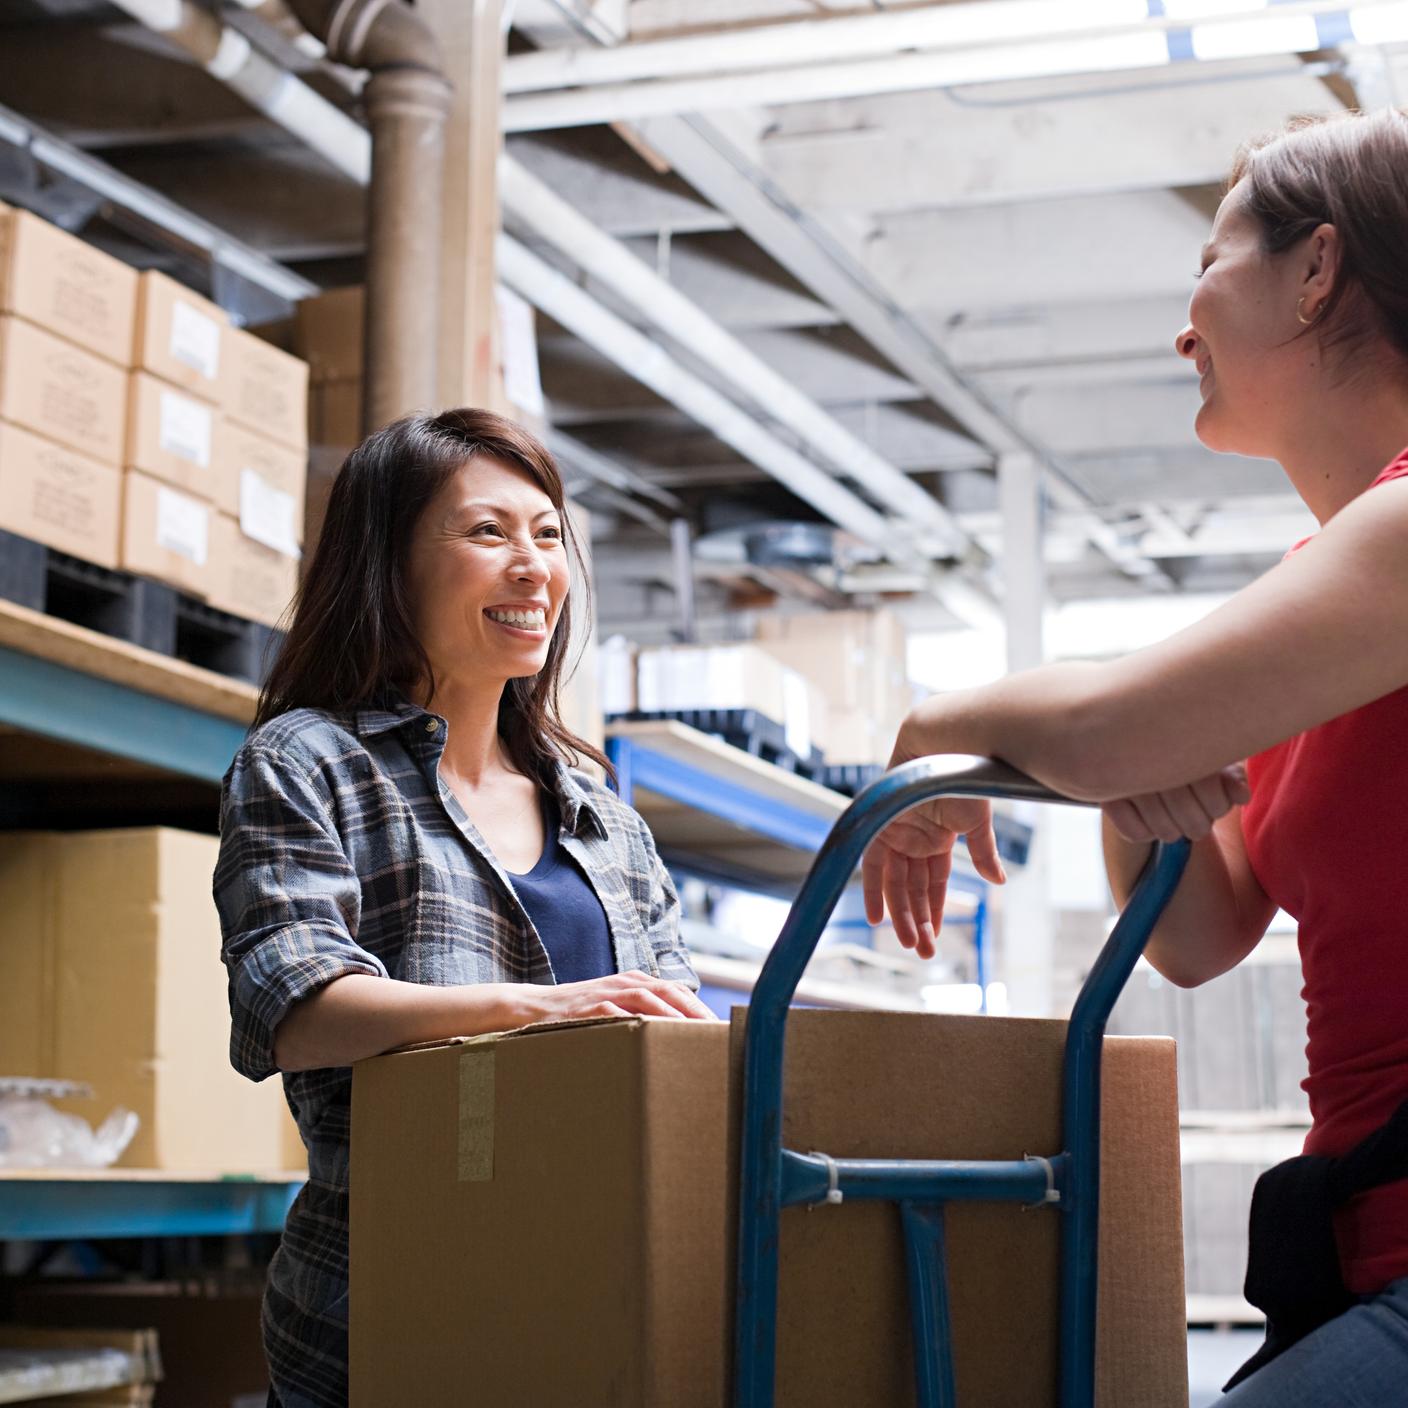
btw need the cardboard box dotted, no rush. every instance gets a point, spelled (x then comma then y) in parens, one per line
(246, 577)
(165, 533)
(263, 484)
(681, 677)
(335, 413)
(172, 435)
(133, 1374)
(546, 1215)
(327, 334)
(178, 336)
(58, 497)
(208, 1331)
(128, 994)
(266, 389)
(65, 285)
(50, 386)
(324, 464)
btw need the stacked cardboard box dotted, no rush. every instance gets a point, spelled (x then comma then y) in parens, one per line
(587, 1169)
(66, 318)
(856, 659)
(111, 956)
(216, 455)
(675, 678)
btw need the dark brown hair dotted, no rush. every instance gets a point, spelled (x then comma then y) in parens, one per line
(351, 642)
(1349, 171)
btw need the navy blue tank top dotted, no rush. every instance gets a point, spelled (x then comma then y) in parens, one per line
(565, 910)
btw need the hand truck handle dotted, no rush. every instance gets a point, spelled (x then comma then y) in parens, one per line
(761, 1136)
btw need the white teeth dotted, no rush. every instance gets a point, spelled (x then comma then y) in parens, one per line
(530, 619)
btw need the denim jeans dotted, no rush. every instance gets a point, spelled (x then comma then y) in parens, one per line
(1357, 1360)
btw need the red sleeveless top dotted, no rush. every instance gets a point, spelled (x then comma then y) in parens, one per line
(1327, 836)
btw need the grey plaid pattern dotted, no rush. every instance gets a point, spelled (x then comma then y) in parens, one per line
(342, 852)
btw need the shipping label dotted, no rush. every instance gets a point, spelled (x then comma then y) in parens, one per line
(182, 525)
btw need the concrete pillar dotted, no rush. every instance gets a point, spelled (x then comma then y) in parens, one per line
(1028, 925)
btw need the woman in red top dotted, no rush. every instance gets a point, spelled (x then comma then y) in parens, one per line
(1299, 330)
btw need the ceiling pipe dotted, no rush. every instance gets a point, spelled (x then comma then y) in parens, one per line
(407, 100)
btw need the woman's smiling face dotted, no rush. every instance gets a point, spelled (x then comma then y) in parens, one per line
(1242, 335)
(488, 573)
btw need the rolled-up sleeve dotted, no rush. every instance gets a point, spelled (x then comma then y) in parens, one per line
(288, 898)
(662, 921)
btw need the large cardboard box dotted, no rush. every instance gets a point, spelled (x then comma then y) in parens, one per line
(178, 335)
(263, 484)
(165, 533)
(327, 333)
(546, 1215)
(65, 285)
(56, 389)
(246, 577)
(58, 497)
(335, 413)
(115, 948)
(682, 677)
(266, 388)
(172, 435)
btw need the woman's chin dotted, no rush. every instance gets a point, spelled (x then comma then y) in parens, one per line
(1214, 433)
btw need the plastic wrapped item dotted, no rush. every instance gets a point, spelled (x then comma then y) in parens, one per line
(33, 1134)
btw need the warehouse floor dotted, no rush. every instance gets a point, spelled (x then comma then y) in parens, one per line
(1213, 1357)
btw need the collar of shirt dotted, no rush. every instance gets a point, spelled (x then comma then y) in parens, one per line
(574, 805)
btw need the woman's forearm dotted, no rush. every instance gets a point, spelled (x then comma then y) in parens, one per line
(359, 1015)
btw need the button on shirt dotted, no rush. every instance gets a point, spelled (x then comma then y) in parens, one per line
(342, 851)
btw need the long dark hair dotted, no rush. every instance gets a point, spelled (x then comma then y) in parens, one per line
(1349, 171)
(351, 642)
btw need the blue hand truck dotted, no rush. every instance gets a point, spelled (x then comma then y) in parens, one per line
(772, 1178)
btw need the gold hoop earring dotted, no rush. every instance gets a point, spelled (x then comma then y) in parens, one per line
(1300, 303)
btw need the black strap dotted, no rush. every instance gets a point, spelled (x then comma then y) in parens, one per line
(1381, 1157)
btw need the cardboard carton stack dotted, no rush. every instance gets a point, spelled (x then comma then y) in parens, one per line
(216, 453)
(111, 957)
(66, 318)
(856, 660)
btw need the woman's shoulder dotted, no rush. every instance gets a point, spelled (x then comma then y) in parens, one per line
(301, 738)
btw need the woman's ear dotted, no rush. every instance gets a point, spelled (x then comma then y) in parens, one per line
(1321, 266)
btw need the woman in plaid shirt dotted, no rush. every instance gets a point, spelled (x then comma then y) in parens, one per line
(406, 851)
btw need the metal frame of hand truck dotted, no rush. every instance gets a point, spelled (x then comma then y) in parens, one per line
(773, 1178)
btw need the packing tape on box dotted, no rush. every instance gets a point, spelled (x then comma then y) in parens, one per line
(476, 1116)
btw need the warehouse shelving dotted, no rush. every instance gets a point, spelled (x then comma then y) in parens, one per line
(51, 1204)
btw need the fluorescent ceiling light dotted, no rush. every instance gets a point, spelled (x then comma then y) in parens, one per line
(1380, 24)
(1246, 39)
(1209, 9)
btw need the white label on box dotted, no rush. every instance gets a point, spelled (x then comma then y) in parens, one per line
(267, 514)
(797, 710)
(195, 339)
(182, 525)
(185, 428)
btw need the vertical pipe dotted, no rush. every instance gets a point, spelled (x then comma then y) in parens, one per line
(926, 1263)
(406, 108)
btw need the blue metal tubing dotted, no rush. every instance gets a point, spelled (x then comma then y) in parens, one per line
(806, 1178)
(926, 1263)
(761, 1169)
(1080, 1116)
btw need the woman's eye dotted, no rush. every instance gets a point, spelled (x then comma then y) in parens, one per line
(553, 533)
(488, 528)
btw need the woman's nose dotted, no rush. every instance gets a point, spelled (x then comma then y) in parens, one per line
(531, 565)
(1186, 343)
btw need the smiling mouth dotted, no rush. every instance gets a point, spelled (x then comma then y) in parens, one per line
(532, 622)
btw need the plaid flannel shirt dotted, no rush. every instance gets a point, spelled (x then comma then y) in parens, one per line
(342, 851)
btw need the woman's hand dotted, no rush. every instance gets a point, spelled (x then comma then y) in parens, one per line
(906, 867)
(1180, 811)
(632, 994)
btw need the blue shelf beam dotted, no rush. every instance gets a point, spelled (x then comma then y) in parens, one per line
(35, 1209)
(54, 701)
